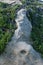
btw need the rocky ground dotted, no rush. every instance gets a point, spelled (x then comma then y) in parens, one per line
(19, 50)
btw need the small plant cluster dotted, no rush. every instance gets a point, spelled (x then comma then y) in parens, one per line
(35, 15)
(7, 24)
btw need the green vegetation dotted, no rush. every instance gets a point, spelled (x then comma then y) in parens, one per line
(31, 3)
(23, 1)
(7, 24)
(3, 5)
(35, 15)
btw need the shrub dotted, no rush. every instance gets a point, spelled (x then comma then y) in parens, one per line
(36, 18)
(7, 24)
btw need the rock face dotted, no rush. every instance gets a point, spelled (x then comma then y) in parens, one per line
(19, 51)
(11, 1)
(24, 26)
(7, 1)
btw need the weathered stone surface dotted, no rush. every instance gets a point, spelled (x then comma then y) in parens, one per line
(11, 1)
(18, 51)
